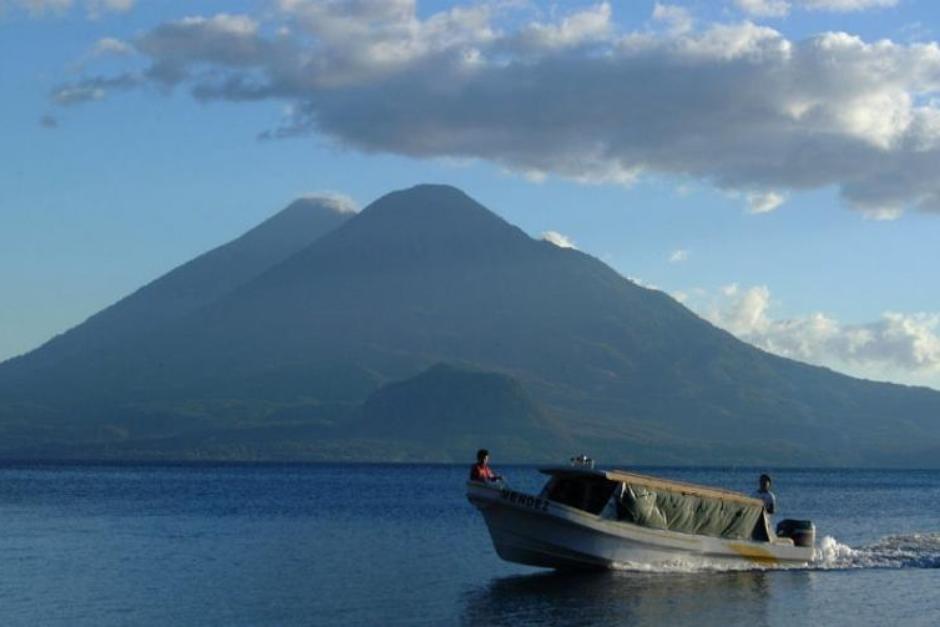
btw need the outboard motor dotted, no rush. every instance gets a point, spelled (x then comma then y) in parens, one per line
(802, 532)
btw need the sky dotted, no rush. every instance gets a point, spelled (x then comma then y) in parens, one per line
(772, 164)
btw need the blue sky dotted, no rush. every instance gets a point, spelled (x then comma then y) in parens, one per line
(768, 162)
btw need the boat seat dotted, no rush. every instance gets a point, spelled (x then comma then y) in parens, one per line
(783, 541)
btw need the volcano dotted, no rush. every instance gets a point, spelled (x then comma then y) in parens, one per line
(289, 351)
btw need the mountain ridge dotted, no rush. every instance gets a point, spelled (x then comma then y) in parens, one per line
(197, 282)
(427, 275)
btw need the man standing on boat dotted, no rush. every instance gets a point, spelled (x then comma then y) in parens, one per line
(481, 470)
(764, 494)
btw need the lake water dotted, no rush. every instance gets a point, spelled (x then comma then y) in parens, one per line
(387, 544)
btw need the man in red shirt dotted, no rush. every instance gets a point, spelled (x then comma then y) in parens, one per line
(481, 470)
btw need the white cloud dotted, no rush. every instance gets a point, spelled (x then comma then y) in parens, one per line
(883, 214)
(111, 45)
(781, 8)
(642, 283)
(94, 89)
(98, 7)
(677, 18)
(556, 238)
(591, 24)
(43, 8)
(903, 347)
(845, 6)
(367, 39)
(340, 203)
(678, 256)
(38, 8)
(736, 105)
(763, 202)
(764, 8)
(73, 94)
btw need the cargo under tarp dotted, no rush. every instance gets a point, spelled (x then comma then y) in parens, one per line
(682, 507)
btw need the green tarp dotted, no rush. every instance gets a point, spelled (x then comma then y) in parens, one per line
(687, 513)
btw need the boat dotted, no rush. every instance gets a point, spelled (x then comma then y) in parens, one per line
(587, 518)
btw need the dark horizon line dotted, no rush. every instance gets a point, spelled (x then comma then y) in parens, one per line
(196, 463)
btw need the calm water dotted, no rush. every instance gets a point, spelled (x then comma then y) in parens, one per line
(375, 545)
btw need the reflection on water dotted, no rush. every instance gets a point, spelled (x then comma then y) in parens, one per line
(622, 598)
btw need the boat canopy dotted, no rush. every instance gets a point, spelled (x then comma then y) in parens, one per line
(676, 506)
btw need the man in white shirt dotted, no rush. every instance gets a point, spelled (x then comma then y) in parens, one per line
(764, 494)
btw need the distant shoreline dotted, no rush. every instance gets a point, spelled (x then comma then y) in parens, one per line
(197, 463)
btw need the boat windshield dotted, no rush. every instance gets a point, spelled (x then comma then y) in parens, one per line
(585, 493)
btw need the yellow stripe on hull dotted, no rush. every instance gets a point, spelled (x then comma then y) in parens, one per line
(756, 554)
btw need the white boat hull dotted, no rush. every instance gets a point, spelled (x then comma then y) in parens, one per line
(534, 531)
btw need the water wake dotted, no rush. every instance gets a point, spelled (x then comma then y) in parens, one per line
(917, 550)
